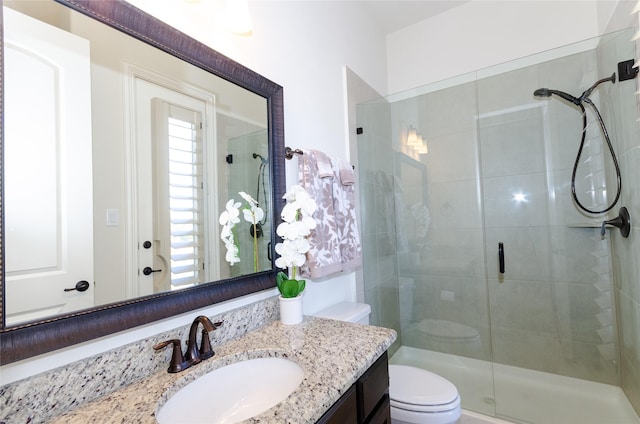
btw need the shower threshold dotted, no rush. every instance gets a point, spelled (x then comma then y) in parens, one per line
(523, 396)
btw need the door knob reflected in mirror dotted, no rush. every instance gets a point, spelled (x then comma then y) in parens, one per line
(80, 286)
(148, 271)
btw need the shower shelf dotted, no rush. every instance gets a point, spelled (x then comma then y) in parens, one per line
(622, 222)
(585, 225)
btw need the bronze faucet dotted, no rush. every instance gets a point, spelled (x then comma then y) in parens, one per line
(194, 355)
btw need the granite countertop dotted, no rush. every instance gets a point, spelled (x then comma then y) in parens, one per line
(333, 355)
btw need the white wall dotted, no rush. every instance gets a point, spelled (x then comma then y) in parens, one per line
(304, 47)
(484, 33)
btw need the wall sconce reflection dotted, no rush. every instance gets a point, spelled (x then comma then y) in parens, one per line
(415, 142)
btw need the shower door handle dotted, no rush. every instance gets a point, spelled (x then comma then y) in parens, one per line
(501, 256)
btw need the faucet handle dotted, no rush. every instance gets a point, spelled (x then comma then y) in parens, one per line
(177, 362)
(205, 350)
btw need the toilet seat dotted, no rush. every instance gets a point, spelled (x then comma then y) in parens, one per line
(426, 408)
(417, 390)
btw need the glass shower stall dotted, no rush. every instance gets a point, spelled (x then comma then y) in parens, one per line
(473, 248)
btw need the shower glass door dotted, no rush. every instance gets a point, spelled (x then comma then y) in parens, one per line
(425, 270)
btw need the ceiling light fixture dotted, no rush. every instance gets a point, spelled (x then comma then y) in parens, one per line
(238, 17)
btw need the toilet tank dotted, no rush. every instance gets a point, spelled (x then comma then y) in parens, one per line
(347, 311)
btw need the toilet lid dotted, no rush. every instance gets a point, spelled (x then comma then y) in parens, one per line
(447, 329)
(411, 385)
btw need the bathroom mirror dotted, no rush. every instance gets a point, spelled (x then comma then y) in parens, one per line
(250, 136)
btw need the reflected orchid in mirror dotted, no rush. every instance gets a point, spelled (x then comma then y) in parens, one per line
(298, 223)
(252, 213)
(228, 219)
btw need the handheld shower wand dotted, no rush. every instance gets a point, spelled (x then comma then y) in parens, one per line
(580, 101)
(546, 92)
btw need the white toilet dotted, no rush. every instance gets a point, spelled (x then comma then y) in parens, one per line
(442, 335)
(417, 396)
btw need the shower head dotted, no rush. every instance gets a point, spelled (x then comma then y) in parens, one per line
(546, 92)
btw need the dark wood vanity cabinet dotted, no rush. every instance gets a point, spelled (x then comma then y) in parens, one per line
(373, 394)
(367, 401)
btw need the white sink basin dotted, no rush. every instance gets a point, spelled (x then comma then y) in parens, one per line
(233, 393)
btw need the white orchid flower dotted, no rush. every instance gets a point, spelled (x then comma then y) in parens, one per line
(253, 215)
(292, 230)
(250, 200)
(232, 254)
(290, 195)
(302, 245)
(228, 219)
(300, 204)
(308, 207)
(292, 253)
(289, 212)
(231, 213)
(259, 213)
(298, 224)
(309, 223)
(225, 232)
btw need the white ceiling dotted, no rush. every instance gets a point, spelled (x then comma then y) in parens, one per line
(397, 14)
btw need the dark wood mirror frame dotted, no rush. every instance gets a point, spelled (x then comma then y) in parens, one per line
(31, 339)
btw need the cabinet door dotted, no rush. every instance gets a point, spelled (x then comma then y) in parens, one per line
(382, 415)
(344, 411)
(372, 387)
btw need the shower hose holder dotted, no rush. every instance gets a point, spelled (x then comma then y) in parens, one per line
(622, 221)
(626, 71)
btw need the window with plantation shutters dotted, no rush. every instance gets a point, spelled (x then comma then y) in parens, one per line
(179, 182)
(185, 193)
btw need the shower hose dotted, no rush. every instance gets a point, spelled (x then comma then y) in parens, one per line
(603, 128)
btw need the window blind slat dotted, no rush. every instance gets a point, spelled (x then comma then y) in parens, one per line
(184, 257)
(183, 269)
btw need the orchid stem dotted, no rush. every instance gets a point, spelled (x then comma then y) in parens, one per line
(255, 248)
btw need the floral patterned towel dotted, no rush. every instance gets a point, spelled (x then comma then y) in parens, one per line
(335, 242)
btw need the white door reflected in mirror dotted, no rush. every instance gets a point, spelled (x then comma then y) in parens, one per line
(48, 168)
